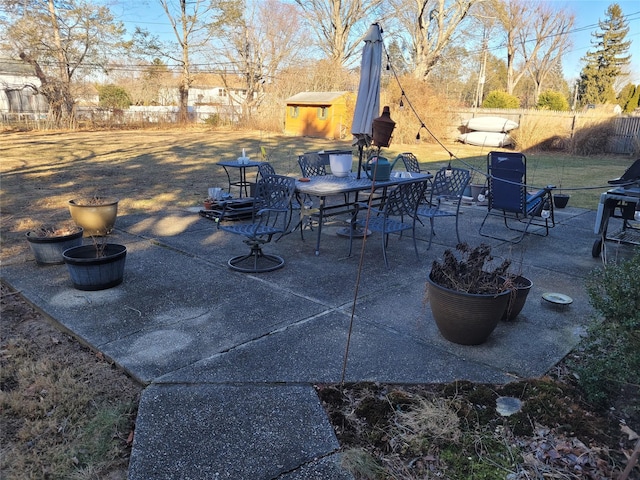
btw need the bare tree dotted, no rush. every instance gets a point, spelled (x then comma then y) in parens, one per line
(58, 39)
(194, 24)
(536, 32)
(337, 25)
(259, 44)
(432, 25)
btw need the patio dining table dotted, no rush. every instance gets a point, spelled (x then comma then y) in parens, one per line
(325, 186)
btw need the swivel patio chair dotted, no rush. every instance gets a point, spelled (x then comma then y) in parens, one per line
(270, 216)
(265, 169)
(445, 197)
(397, 214)
(509, 199)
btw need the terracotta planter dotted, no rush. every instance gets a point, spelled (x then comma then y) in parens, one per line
(47, 250)
(96, 215)
(518, 298)
(89, 271)
(465, 318)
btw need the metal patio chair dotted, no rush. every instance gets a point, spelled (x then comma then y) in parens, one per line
(410, 162)
(445, 197)
(265, 169)
(311, 165)
(270, 216)
(397, 214)
(509, 199)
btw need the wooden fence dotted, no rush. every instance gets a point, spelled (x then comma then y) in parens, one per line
(625, 138)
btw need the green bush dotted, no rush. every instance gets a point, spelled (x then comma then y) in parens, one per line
(551, 100)
(212, 120)
(112, 96)
(499, 99)
(609, 358)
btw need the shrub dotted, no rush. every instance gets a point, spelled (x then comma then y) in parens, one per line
(592, 139)
(498, 99)
(550, 100)
(212, 120)
(112, 96)
(609, 361)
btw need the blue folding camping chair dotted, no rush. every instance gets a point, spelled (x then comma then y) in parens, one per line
(509, 199)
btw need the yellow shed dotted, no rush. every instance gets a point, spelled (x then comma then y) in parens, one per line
(319, 114)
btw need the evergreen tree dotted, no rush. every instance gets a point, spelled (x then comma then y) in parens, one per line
(633, 102)
(625, 96)
(605, 63)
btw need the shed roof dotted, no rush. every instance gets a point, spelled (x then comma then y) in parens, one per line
(315, 98)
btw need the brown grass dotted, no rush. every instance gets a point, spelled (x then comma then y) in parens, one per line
(64, 411)
(151, 170)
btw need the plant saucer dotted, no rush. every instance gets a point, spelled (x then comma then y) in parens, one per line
(557, 298)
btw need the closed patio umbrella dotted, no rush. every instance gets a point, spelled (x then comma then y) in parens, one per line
(368, 100)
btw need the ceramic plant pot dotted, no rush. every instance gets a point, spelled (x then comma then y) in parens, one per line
(560, 200)
(96, 215)
(89, 271)
(465, 318)
(518, 298)
(47, 249)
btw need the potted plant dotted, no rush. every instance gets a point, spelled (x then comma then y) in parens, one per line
(560, 199)
(476, 189)
(48, 242)
(521, 287)
(96, 266)
(208, 203)
(96, 215)
(467, 296)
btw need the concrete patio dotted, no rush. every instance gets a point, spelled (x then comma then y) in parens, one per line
(230, 359)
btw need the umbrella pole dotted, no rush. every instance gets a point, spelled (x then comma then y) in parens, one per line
(360, 150)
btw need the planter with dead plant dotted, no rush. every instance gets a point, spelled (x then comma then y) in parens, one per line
(467, 295)
(96, 215)
(97, 266)
(48, 242)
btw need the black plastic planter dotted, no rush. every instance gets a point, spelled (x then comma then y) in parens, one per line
(91, 272)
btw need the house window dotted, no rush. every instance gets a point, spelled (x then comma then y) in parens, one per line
(322, 113)
(222, 92)
(294, 111)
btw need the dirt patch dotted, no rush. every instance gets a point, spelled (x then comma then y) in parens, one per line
(457, 431)
(65, 412)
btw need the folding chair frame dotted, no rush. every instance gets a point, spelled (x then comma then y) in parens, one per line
(508, 197)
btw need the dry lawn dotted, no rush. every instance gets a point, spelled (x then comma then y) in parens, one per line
(150, 170)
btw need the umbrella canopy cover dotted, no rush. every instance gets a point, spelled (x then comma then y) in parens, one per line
(368, 100)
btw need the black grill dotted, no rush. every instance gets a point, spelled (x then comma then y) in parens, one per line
(621, 203)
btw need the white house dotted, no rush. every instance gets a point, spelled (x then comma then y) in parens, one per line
(18, 89)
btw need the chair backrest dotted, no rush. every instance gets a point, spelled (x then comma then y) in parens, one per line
(311, 165)
(404, 199)
(265, 168)
(507, 173)
(410, 162)
(274, 191)
(449, 184)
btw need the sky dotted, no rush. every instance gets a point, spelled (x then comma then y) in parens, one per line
(588, 13)
(149, 15)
